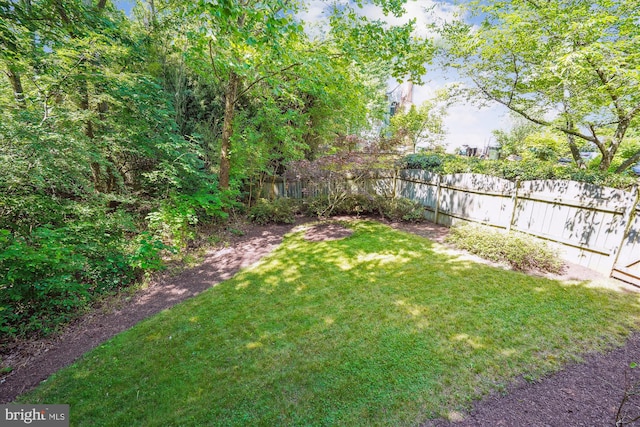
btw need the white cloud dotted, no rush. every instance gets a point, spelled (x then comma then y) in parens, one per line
(315, 11)
(425, 12)
(466, 124)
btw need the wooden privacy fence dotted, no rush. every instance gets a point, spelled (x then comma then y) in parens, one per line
(594, 226)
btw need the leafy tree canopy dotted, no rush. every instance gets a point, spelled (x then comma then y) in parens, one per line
(568, 65)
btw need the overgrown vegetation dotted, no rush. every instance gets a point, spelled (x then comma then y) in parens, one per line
(576, 77)
(283, 210)
(380, 328)
(122, 135)
(51, 274)
(351, 204)
(518, 250)
(394, 209)
(279, 211)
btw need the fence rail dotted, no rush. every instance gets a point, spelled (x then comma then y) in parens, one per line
(594, 226)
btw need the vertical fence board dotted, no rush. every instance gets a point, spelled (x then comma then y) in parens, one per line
(475, 197)
(579, 215)
(631, 246)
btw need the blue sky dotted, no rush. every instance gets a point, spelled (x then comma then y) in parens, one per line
(125, 5)
(465, 124)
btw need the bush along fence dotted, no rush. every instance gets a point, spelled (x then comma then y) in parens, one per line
(593, 226)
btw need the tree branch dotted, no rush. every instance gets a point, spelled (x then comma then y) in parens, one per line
(52, 91)
(605, 82)
(62, 12)
(213, 64)
(255, 82)
(516, 79)
(634, 111)
(627, 163)
(597, 141)
(533, 119)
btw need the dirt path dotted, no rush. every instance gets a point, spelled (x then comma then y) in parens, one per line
(585, 394)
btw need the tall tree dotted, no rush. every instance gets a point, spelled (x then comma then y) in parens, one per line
(249, 43)
(241, 43)
(571, 65)
(86, 111)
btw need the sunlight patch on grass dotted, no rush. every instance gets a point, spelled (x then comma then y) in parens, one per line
(473, 342)
(253, 345)
(242, 285)
(508, 352)
(382, 259)
(455, 416)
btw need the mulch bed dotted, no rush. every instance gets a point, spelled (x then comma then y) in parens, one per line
(584, 394)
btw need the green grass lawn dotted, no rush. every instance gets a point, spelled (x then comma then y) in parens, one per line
(381, 328)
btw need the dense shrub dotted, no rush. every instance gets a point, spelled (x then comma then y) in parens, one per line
(395, 209)
(278, 211)
(174, 222)
(358, 204)
(39, 285)
(326, 205)
(320, 206)
(401, 209)
(58, 254)
(520, 251)
(47, 275)
(430, 162)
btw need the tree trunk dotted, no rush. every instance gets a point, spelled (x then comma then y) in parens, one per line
(575, 152)
(227, 129)
(16, 84)
(88, 131)
(607, 157)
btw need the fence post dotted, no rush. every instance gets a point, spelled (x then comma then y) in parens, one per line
(437, 204)
(628, 216)
(395, 183)
(514, 199)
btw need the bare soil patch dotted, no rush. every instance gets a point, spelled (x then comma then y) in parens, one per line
(326, 230)
(583, 394)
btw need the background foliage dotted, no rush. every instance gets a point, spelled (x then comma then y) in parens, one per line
(529, 169)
